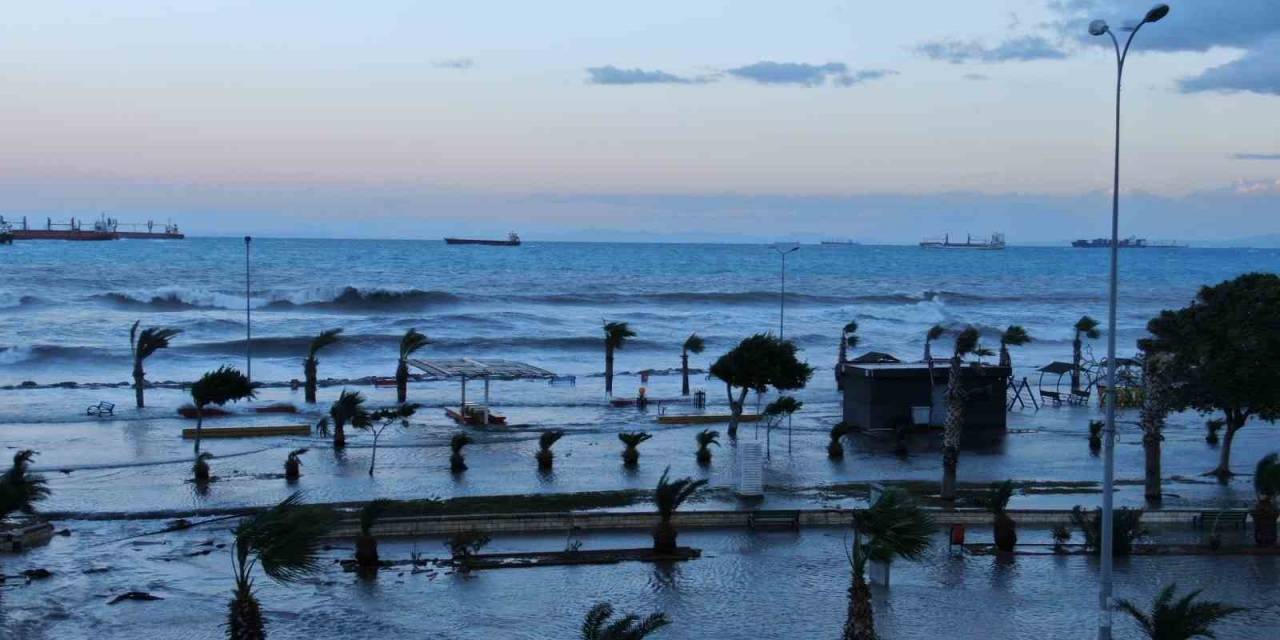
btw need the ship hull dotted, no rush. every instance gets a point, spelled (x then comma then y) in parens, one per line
(83, 235)
(488, 243)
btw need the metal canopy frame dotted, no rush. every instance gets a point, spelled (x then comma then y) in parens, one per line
(485, 369)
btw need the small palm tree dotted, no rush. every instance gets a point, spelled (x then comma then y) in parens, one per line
(966, 343)
(218, 387)
(775, 411)
(631, 440)
(893, 527)
(668, 497)
(597, 624)
(1095, 435)
(411, 342)
(997, 502)
(693, 344)
(1266, 484)
(322, 340)
(1126, 528)
(546, 458)
(366, 543)
(457, 463)
(293, 464)
(835, 450)
(285, 541)
(848, 340)
(1181, 620)
(348, 409)
(200, 469)
(380, 420)
(706, 438)
(616, 335)
(1014, 336)
(143, 345)
(1085, 327)
(20, 489)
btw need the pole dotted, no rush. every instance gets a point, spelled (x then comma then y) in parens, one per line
(248, 318)
(782, 297)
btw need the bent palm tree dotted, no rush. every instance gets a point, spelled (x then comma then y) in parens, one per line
(893, 527)
(1014, 336)
(20, 489)
(706, 438)
(631, 440)
(597, 626)
(1181, 620)
(143, 345)
(1085, 327)
(693, 344)
(293, 464)
(616, 335)
(218, 387)
(200, 469)
(409, 343)
(457, 463)
(322, 340)
(348, 409)
(1266, 484)
(668, 497)
(1004, 528)
(546, 457)
(966, 342)
(285, 541)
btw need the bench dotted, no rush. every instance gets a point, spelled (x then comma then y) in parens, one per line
(774, 520)
(1214, 519)
(1051, 396)
(103, 408)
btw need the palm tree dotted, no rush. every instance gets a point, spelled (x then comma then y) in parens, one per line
(410, 343)
(1181, 620)
(19, 488)
(322, 340)
(546, 458)
(293, 464)
(848, 340)
(1126, 528)
(218, 387)
(668, 497)
(347, 409)
(285, 541)
(693, 344)
(1266, 484)
(143, 345)
(615, 336)
(597, 626)
(200, 469)
(366, 544)
(706, 438)
(835, 450)
(774, 412)
(1155, 408)
(632, 439)
(893, 527)
(457, 463)
(1014, 336)
(934, 333)
(997, 502)
(966, 342)
(1088, 328)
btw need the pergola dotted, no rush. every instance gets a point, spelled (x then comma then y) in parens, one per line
(485, 369)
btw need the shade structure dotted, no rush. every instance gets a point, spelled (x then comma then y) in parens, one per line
(485, 369)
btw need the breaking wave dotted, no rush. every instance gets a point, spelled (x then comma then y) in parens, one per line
(329, 299)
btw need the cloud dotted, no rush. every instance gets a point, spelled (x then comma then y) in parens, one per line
(1257, 187)
(610, 74)
(806, 75)
(1258, 71)
(454, 63)
(1021, 49)
(977, 77)
(1255, 156)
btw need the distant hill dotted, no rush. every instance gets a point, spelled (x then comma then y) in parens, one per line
(1264, 241)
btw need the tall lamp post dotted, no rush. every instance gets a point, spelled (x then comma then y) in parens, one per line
(1105, 600)
(783, 249)
(248, 319)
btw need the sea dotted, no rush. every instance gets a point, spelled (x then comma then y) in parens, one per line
(66, 307)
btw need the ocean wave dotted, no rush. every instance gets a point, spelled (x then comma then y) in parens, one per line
(14, 301)
(323, 298)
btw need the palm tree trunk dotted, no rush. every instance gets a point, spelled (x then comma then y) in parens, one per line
(951, 431)
(608, 370)
(309, 372)
(1234, 424)
(1075, 363)
(199, 424)
(1005, 359)
(244, 620)
(860, 621)
(1151, 452)
(139, 382)
(339, 434)
(684, 372)
(402, 382)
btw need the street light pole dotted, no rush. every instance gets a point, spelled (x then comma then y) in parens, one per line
(783, 250)
(248, 319)
(1105, 598)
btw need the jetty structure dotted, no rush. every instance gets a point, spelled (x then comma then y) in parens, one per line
(104, 228)
(995, 242)
(513, 240)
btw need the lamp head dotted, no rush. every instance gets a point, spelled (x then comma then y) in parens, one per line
(1098, 27)
(1156, 13)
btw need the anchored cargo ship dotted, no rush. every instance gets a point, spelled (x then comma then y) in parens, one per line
(995, 242)
(103, 228)
(512, 240)
(1132, 242)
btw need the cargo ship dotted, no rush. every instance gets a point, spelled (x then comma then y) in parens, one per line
(103, 228)
(512, 240)
(995, 242)
(1132, 242)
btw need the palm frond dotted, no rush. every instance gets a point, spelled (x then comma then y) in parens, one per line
(133, 338)
(286, 539)
(996, 500)
(19, 488)
(1088, 327)
(895, 526)
(153, 339)
(593, 622)
(548, 438)
(223, 385)
(297, 452)
(459, 440)
(935, 332)
(596, 625)
(669, 495)
(616, 334)
(1184, 618)
(411, 342)
(852, 327)
(322, 340)
(633, 438)
(708, 437)
(694, 344)
(783, 406)
(966, 341)
(1015, 336)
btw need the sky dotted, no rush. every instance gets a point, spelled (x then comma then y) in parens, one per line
(665, 120)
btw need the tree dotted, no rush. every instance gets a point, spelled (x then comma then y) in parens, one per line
(668, 497)
(457, 463)
(631, 440)
(1154, 410)
(848, 340)
(20, 489)
(1014, 336)
(322, 340)
(835, 450)
(286, 541)
(218, 387)
(706, 438)
(1181, 620)
(1126, 528)
(597, 626)
(293, 464)
(757, 363)
(381, 419)
(1266, 484)
(200, 469)
(1223, 348)
(893, 527)
(348, 409)
(366, 543)
(1004, 529)
(546, 458)
(966, 342)
(616, 335)
(409, 344)
(693, 344)
(1085, 327)
(775, 411)
(144, 345)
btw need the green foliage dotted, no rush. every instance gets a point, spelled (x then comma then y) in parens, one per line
(708, 437)
(850, 332)
(894, 527)
(1126, 529)
(151, 340)
(223, 385)
(671, 494)
(349, 409)
(597, 626)
(458, 441)
(322, 340)
(1087, 327)
(762, 361)
(1061, 534)
(285, 540)
(465, 544)
(548, 438)
(616, 334)
(694, 344)
(398, 412)
(934, 333)
(1182, 619)
(996, 499)
(19, 488)
(966, 342)
(371, 512)
(783, 406)
(1015, 336)
(411, 342)
(1266, 477)
(632, 439)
